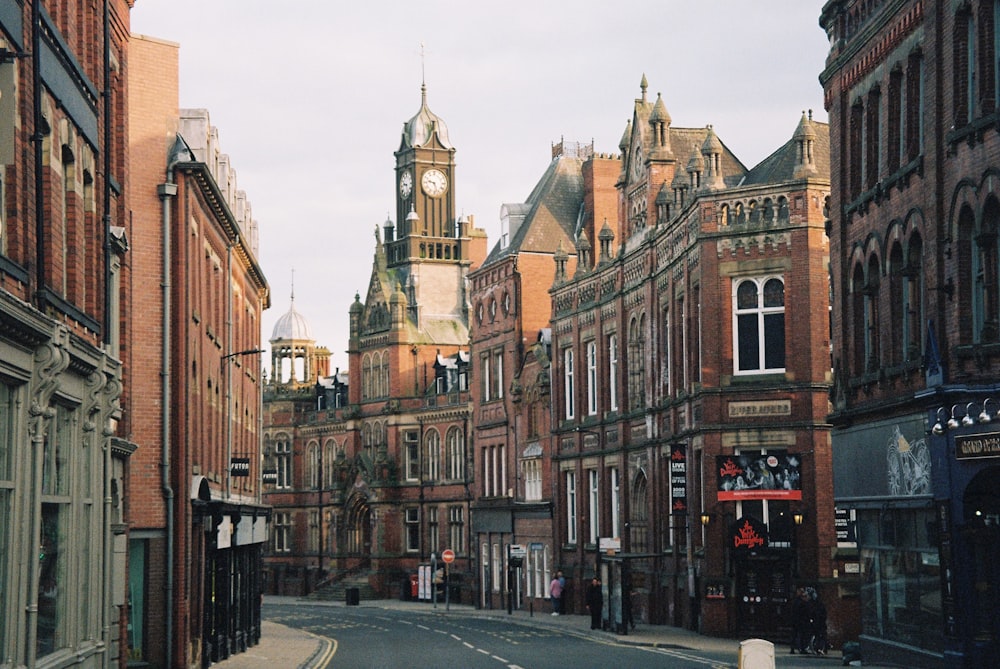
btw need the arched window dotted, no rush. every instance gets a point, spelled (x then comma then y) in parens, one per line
(897, 318)
(759, 325)
(313, 473)
(857, 321)
(639, 510)
(873, 352)
(913, 300)
(432, 455)
(455, 455)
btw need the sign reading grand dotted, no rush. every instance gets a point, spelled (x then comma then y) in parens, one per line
(774, 475)
(972, 446)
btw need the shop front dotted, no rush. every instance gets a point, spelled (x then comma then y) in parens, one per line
(233, 579)
(883, 474)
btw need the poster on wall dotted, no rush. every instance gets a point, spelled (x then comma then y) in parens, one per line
(774, 475)
(678, 479)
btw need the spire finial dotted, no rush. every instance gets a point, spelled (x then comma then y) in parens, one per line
(293, 285)
(423, 75)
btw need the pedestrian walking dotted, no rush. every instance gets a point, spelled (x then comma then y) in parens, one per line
(798, 614)
(819, 643)
(595, 603)
(556, 588)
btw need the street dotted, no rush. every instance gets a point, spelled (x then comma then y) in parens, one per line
(390, 635)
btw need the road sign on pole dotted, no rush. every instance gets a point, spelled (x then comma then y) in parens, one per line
(447, 556)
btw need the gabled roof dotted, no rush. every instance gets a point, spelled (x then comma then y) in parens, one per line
(780, 165)
(550, 211)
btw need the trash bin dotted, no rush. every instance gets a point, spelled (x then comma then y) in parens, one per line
(353, 596)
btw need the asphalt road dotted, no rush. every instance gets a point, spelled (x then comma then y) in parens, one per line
(377, 638)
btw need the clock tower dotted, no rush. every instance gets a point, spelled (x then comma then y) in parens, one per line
(427, 228)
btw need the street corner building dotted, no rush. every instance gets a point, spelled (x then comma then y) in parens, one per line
(690, 378)
(63, 464)
(914, 102)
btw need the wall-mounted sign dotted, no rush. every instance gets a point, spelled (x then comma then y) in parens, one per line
(971, 446)
(748, 534)
(239, 467)
(759, 409)
(678, 479)
(844, 521)
(775, 475)
(269, 477)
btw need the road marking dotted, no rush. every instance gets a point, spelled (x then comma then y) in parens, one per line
(498, 658)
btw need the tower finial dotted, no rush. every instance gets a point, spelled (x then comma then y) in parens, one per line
(423, 74)
(293, 285)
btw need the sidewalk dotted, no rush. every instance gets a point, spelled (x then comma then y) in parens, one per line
(286, 647)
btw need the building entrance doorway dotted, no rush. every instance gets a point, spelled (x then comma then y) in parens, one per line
(981, 511)
(763, 593)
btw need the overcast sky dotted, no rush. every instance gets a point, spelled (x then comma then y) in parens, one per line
(310, 97)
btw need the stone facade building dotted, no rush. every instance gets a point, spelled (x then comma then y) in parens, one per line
(914, 102)
(368, 490)
(194, 299)
(690, 367)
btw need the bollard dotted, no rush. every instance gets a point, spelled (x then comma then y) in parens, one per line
(756, 654)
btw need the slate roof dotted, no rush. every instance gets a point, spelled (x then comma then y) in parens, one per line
(780, 165)
(552, 210)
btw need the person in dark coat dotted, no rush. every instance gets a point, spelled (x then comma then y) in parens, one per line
(595, 602)
(799, 614)
(817, 611)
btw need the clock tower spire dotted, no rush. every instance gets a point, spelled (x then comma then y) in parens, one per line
(427, 224)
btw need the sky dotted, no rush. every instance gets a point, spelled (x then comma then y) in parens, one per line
(310, 97)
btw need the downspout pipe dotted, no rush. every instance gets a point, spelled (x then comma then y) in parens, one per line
(167, 191)
(108, 608)
(40, 130)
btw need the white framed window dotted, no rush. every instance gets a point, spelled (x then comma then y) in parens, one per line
(571, 512)
(314, 530)
(591, 378)
(497, 563)
(485, 387)
(759, 319)
(411, 448)
(455, 455)
(615, 503)
(593, 477)
(456, 529)
(314, 466)
(613, 372)
(432, 445)
(498, 373)
(569, 406)
(433, 535)
(532, 480)
(282, 532)
(283, 459)
(412, 529)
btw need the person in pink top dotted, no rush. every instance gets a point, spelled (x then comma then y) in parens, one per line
(555, 591)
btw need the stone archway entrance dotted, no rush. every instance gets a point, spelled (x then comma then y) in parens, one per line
(357, 528)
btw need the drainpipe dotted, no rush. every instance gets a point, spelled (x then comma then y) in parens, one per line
(167, 191)
(37, 136)
(101, 432)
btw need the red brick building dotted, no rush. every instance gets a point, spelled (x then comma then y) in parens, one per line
(914, 102)
(690, 384)
(63, 453)
(371, 469)
(511, 345)
(193, 393)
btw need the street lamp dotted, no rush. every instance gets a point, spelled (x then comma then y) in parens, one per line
(229, 412)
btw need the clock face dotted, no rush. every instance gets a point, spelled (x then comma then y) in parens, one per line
(406, 184)
(637, 163)
(434, 182)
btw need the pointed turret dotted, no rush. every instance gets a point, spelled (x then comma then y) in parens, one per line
(659, 120)
(805, 142)
(711, 151)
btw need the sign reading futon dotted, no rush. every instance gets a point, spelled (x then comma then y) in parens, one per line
(774, 475)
